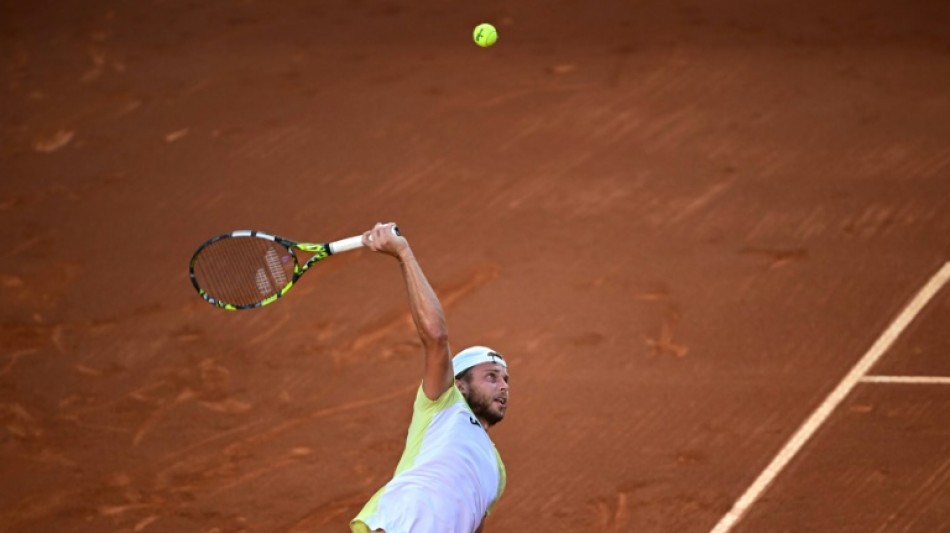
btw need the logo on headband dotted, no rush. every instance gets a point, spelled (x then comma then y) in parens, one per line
(494, 355)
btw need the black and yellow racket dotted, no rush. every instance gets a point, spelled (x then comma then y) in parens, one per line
(249, 269)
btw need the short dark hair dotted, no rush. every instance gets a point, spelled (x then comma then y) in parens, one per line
(465, 374)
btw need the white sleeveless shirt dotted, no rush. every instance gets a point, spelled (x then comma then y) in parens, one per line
(449, 477)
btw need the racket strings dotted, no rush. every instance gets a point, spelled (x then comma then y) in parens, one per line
(243, 270)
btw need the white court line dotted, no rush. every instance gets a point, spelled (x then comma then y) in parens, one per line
(836, 396)
(923, 380)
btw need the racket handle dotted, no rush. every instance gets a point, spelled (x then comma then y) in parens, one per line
(352, 243)
(345, 245)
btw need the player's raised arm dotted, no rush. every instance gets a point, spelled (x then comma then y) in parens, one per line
(425, 307)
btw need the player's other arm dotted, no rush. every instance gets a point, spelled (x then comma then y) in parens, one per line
(426, 310)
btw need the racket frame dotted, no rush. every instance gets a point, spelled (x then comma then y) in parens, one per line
(320, 251)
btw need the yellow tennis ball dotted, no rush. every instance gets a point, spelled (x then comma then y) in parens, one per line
(485, 35)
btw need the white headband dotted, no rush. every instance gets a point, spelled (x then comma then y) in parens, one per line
(475, 355)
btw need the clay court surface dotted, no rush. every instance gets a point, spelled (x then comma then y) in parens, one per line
(683, 223)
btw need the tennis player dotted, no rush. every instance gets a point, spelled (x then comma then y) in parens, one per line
(450, 476)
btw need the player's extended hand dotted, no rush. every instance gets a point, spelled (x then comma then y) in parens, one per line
(384, 238)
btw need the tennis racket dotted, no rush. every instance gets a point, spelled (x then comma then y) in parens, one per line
(250, 269)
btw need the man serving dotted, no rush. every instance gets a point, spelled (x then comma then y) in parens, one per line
(450, 475)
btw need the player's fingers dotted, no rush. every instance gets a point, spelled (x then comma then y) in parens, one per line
(376, 234)
(383, 232)
(380, 237)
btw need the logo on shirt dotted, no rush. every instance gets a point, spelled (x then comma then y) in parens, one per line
(473, 420)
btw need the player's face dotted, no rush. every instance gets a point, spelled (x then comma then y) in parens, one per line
(486, 391)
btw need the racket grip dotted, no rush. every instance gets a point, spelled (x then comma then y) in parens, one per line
(352, 243)
(345, 245)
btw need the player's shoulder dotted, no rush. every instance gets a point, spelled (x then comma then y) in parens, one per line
(451, 396)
